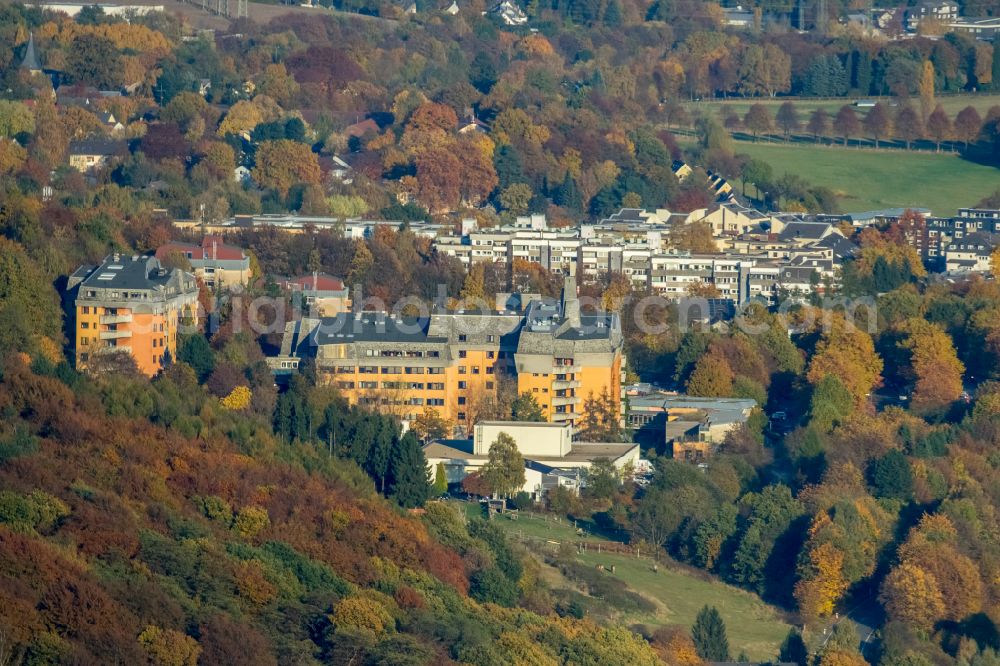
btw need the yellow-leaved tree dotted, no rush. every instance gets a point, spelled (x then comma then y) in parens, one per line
(934, 365)
(848, 353)
(911, 595)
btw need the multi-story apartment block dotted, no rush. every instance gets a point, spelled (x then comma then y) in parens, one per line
(132, 305)
(454, 361)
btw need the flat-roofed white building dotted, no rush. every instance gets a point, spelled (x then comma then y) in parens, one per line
(551, 457)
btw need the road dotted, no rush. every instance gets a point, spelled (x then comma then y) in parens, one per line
(866, 616)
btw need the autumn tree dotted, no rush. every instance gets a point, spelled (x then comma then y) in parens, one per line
(243, 116)
(848, 353)
(283, 164)
(938, 127)
(758, 120)
(911, 595)
(926, 89)
(712, 376)
(878, 123)
(504, 469)
(166, 647)
(675, 647)
(821, 581)
(968, 124)
(439, 175)
(429, 425)
(909, 126)
(788, 119)
(846, 123)
(934, 365)
(819, 124)
(931, 546)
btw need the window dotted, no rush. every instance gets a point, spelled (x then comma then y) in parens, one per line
(86, 309)
(489, 370)
(462, 385)
(84, 324)
(461, 416)
(491, 354)
(345, 385)
(489, 386)
(435, 402)
(462, 337)
(84, 341)
(368, 385)
(461, 370)
(475, 369)
(462, 353)
(435, 386)
(491, 338)
(461, 400)
(435, 371)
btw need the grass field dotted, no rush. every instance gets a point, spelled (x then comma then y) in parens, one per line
(753, 626)
(952, 104)
(869, 179)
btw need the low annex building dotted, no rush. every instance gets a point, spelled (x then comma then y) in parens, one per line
(132, 305)
(324, 295)
(214, 262)
(551, 457)
(689, 426)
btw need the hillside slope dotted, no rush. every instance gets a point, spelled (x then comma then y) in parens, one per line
(122, 541)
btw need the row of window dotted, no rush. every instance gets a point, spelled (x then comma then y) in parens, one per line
(410, 386)
(399, 370)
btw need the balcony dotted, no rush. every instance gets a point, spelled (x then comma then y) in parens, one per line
(565, 369)
(115, 335)
(565, 400)
(561, 418)
(565, 384)
(116, 319)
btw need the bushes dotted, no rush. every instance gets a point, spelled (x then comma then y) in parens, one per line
(492, 586)
(606, 587)
(35, 511)
(19, 443)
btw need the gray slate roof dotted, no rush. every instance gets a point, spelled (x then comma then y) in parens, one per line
(30, 61)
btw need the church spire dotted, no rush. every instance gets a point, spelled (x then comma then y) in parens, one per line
(30, 61)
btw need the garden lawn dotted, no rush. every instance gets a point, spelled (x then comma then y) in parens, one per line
(866, 179)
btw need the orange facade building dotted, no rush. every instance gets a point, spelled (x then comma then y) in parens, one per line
(131, 305)
(453, 362)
